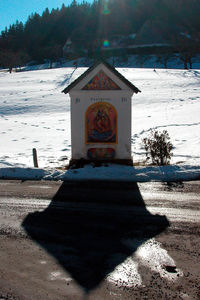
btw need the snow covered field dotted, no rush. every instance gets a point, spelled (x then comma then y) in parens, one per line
(35, 114)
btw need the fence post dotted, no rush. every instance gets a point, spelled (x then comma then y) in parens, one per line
(35, 160)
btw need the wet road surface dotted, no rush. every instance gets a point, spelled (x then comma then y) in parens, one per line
(99, 241)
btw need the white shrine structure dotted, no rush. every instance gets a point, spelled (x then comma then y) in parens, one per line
(101, 115)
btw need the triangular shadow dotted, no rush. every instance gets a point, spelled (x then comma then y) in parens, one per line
(85, 225)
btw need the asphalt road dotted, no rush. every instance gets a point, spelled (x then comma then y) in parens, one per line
(99, 240)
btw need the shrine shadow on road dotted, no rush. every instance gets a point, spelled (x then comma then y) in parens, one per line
(87, 238)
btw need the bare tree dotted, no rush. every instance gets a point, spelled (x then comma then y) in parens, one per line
(188, 46)
(141, 59)
(10, 59)
(164, 58)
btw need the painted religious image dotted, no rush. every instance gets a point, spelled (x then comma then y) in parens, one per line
(101, 82)
(101, 123)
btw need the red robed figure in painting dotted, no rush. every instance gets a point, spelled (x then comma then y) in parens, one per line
(101, 123)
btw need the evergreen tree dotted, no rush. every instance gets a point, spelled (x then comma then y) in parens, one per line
(87, 25)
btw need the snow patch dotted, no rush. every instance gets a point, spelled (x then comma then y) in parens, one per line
(151, 255)
(57, 275)
(111, 172)
(126, 274)
(35, 114)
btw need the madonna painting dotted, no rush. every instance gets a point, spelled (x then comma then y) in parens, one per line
(101, 123)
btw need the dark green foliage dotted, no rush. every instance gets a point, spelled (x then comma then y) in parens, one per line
(88, 24)
(10, 59)
(158, 147)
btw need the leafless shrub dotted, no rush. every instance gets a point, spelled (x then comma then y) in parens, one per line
(158, 147)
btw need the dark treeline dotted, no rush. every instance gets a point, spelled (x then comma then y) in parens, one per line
(87, 25)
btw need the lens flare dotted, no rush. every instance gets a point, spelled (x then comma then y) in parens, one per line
(105, 10)
(106, 43)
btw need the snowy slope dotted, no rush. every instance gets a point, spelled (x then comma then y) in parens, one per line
(35, 114)
(131, 61)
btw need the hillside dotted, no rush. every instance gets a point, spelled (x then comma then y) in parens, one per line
(131, 61)
(35, 114)
(104, 28)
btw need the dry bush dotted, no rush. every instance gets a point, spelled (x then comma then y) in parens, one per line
(158, 147)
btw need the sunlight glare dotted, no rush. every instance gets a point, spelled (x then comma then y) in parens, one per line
(105, 10)
(106, 43)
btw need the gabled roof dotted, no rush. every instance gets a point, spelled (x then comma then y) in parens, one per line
(112, 69)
